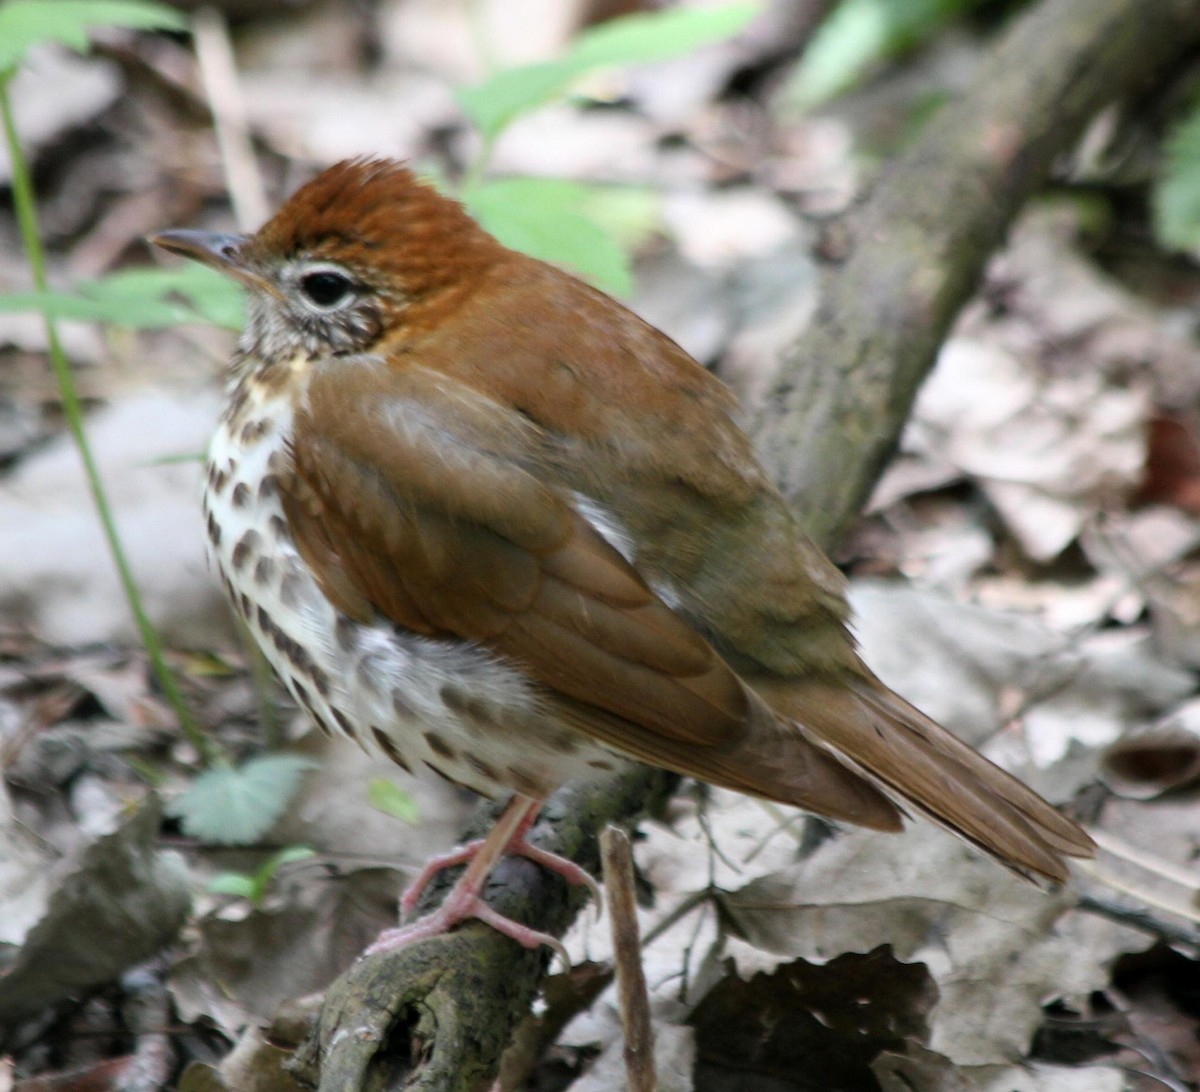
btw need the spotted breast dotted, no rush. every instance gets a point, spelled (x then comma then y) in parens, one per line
(419, 701)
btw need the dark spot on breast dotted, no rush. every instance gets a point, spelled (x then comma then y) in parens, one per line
(217, 479)
(439, 746)
(346, 633)
(264, 621)
(245, 606)
(252, 430)
(299, 656)
(310, 707)
(389, 748)
(466, 705)
(343, 722)
(236, 403)
(320, 680)
(268, 487)
(484, 769)
(446, 777)
(277, 526)
(301, 694)
(214, 530)
(566, 743)
(264, 570)
(241, 495)
(276, 462)
(289, 589)
(523, 783)
(250, 543)
(401, 707)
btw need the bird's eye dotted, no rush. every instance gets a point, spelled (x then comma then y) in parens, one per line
(326, 288)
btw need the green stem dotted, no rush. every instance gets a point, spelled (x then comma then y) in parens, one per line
(26, 209)
(478, 168)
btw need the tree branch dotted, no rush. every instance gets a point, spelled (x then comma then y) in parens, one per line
(919, 246)
(436, 1016)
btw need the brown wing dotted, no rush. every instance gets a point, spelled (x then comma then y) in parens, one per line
(420, 499)
(409, 496)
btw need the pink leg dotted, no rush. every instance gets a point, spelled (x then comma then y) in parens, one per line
(516, 847)
(464, 902)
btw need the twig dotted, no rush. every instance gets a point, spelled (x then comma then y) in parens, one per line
(1148, 862)
(634, 1001)
(1141, 920)
(218, 73)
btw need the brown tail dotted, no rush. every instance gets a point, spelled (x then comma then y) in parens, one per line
(918, 764)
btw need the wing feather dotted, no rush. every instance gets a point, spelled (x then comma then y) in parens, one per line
(441, 526)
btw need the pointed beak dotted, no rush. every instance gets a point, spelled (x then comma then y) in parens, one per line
(224, 253)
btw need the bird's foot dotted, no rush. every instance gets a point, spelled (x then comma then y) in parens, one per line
(552, 862)
(463, 904)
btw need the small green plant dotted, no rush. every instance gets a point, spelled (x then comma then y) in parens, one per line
(253, 885)
(1176, 194)
(392, 800)
(571, 224)
(237, 805)
(144, 299)
(24, 23)
(859, 34)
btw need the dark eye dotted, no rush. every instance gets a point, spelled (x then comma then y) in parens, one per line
(325, 288)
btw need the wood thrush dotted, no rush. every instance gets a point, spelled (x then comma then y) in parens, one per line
(485, 520)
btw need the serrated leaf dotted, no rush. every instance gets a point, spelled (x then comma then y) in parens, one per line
(230, 805)
(26, 23)
(547, 218)
(389, 798)
(142, 299)
(632, 39)
(1176, 195)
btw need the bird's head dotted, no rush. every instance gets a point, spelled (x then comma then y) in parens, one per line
(364, 251)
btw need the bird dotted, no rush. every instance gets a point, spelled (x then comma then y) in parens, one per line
(484, 520)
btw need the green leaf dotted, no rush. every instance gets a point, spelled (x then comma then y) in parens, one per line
(286, 856)
(142, 299)
(495, 104)
(549, 219)
(233, 883)
(254, 886)
(26, 23)
(660, 35)
(237, 806)
(858, 34)
(633, 39)
(1176, 194)
(389, 798)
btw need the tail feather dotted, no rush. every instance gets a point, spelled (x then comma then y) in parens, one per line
(920, 765)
